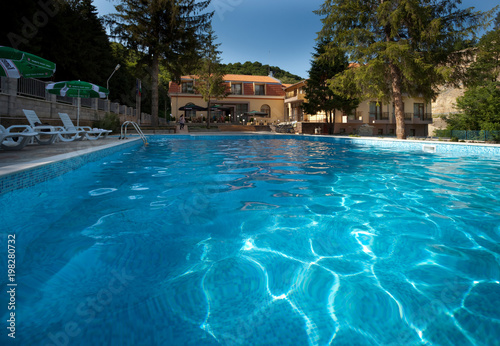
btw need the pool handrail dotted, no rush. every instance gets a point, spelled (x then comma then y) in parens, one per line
(123, 133)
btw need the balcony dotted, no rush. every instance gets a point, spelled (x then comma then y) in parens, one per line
(425, 118)
(379, 118)
(291, 97)
(353, 118)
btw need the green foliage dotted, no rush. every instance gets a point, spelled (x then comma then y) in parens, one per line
(479, 109)
(166, 32)
(210, 83)
(110, 121)
(401, 46)
(486, 65)
(72, 36)
(257, 69)
(320, 97)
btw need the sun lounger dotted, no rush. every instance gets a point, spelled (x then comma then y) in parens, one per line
(47, 134)
(89, 133)
(15, 137)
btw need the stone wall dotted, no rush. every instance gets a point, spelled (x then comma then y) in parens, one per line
(47, 109)
(446, 100)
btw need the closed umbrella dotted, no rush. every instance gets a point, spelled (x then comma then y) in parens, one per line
(77, 89)
(15, 63)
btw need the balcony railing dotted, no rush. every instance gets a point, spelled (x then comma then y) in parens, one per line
(31, 87)
(352, 118)
(379, 116)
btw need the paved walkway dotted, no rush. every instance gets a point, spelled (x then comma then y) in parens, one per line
(36, 155)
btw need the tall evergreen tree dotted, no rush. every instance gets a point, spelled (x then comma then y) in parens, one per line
(210, 83)
(67, 32)
(401, 46)
(319, 96)
(486, 65)
(167, 31)
(479, 109)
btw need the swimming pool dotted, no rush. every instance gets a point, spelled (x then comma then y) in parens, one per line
(259, 242)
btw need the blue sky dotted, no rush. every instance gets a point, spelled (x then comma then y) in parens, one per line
(276, 32)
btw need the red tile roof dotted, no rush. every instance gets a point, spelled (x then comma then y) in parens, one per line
(243, 78)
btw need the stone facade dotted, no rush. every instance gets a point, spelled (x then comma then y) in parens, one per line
(445, 102)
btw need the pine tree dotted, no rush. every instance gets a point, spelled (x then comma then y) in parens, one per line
(67, 32)
(486, 65)
(319, 95)
(401, 46)
(479, 109)
(210, 83)
(169, 31)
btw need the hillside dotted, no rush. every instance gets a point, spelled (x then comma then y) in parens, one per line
(257, 69)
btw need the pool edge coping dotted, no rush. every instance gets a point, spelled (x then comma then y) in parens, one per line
(19, 167)
(27, 174)
(18, 176)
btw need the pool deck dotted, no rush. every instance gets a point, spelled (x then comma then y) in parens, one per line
(36, 155)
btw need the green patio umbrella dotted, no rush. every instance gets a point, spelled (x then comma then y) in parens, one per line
(256, 113)
(77, 89)
(15, 63)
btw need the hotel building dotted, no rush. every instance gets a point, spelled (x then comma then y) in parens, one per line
(276, 102)
(263, 94)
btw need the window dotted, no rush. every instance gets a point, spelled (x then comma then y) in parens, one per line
(241, 108)
(260, 89)
(187, 88)
(266, 109)
(418, 110)
(376, 109)
(236, 89)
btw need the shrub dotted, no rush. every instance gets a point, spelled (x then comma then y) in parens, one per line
(110, 121)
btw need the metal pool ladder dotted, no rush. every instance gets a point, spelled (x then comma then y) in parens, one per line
(136, 126)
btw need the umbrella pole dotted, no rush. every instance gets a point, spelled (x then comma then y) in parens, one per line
(78, 111)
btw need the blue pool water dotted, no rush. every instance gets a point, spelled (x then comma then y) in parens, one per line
(258, 242)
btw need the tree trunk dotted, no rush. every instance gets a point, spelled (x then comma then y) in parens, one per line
(333, 122)
(155, 70)
(208, 113)
(396, 83)
(398, 101)
(329, 122)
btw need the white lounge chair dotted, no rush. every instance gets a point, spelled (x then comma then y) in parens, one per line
(52, 132)
(12, 138)
(90, 133)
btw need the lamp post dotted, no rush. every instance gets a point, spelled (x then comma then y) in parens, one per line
(107, 82)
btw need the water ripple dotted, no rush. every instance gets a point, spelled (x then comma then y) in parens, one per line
(253, 241)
